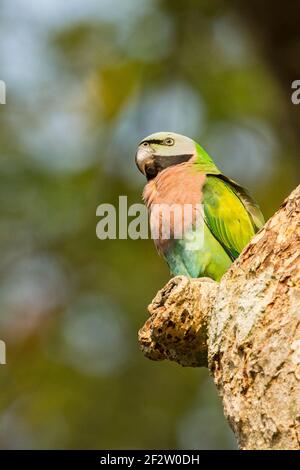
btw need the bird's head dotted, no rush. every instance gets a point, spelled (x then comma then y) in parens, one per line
(161, 150)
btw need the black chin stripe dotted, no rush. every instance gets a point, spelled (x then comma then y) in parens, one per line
(160, 163)
(165, 162)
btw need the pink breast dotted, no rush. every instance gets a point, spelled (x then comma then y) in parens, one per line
(173, 197)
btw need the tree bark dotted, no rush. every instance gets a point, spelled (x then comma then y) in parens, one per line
(246, 329)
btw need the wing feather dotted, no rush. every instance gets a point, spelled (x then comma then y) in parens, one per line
(230, 213)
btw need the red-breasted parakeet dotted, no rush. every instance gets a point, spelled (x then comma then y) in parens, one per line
(180, 172)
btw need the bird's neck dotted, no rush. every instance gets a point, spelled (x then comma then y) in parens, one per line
(204, 163)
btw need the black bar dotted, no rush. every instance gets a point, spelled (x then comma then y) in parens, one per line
(144, 458)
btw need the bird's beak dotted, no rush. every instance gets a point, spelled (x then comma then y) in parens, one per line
(145, 162)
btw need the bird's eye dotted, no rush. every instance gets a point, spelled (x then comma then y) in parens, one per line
(145, 144)
(169, 141)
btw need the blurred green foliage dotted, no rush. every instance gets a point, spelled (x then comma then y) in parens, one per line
(86, 81)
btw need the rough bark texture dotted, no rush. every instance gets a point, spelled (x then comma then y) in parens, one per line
(246, 329)
(177, 328)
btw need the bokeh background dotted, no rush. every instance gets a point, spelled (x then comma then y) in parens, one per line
(86, 80)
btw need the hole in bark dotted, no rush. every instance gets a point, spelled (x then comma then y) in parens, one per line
(183, 316)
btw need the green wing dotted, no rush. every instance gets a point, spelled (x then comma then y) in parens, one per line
(250, 205)
(230, 213)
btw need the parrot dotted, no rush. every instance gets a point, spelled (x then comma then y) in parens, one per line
(180, 172)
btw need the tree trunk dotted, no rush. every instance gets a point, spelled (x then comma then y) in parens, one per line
(246, 329)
